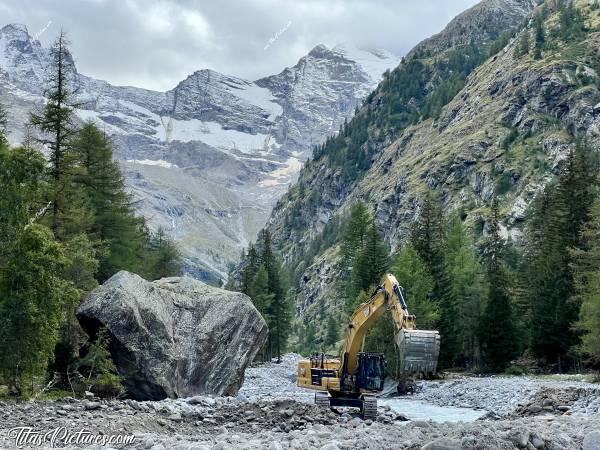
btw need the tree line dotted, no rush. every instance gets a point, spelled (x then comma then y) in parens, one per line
(68, 224)
(264, 279)
(495, 303)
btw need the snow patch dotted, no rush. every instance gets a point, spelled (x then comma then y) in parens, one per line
(213, 134)
(154, 162)
(283, 174)
(374, 62)
(261, 97)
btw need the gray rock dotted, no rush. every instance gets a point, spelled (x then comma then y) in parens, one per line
(330, 446)
(175, 337)
(443, 444)
(591, 441)
(176, 417)
(91, 406)
(537, 441)
(519, 438)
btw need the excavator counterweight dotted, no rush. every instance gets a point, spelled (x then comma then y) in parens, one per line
(356, 376)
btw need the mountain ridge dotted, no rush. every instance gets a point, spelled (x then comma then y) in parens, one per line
(458, 152)
(238, 143)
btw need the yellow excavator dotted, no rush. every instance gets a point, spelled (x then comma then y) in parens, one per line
(353, 379)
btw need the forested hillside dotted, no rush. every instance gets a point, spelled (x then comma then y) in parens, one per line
(470, 173)
(67, 225)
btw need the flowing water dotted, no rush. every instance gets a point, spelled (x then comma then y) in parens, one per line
(419, 410)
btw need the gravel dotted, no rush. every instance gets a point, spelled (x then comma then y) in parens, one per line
(271, 412)
(499, 394)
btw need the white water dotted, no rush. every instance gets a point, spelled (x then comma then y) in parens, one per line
(418, 410)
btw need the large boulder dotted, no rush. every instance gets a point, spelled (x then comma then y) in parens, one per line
(175, 337)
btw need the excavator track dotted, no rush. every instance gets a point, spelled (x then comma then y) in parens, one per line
(322, 399)
(369, 409)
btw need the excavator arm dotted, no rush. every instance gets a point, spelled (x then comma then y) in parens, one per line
(419, 349)
(387, 296)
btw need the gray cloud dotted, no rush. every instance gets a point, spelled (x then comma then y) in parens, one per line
(157, 43)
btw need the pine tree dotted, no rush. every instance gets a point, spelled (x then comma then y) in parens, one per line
(3, 124)
(540, 37)
(332, 331)
(468, 288)
(22, 181)
(549, 280)
(523, 47)
(587, 278)
(164, 256)
(262, 299)
(280, 310)
(371, 261)
(354, 234)
(308, 338)
(576, 190)
(249, 271)
(260, 295)
(98, 368)
(56, 124)
(571, 22)
(417, 282)
(81, 272)
(497, 332)
(113, 220)
(554, 229)
(428, 238)
(32, 298)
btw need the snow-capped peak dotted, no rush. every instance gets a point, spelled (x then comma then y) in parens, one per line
(213, 153)
(22, 58)
(15, 29)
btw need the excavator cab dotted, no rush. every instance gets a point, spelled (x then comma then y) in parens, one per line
(370, 374)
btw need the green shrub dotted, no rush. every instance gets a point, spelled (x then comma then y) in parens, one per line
(515, 369)
(101, 374)
(510, 138)
(503, 183)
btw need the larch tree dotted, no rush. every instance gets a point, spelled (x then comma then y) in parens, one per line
(56, 125)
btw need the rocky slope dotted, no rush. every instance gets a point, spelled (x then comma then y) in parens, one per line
(207, 159)
(463, 152)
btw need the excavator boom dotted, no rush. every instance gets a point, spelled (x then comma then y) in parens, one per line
(352, 379)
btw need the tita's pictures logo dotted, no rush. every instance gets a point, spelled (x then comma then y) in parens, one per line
(277, 35)
(61, 436)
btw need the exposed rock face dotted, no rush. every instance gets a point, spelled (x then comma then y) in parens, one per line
(462, 154)
(175, 337)
(207, 159)
(483, 22)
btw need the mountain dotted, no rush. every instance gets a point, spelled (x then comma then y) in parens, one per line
(468, 114)
(208, 159)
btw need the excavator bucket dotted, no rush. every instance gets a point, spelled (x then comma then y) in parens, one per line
(419, 351)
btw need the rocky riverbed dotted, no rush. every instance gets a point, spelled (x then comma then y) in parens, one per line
(271, 412)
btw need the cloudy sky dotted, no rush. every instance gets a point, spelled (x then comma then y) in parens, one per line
(156, 43)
